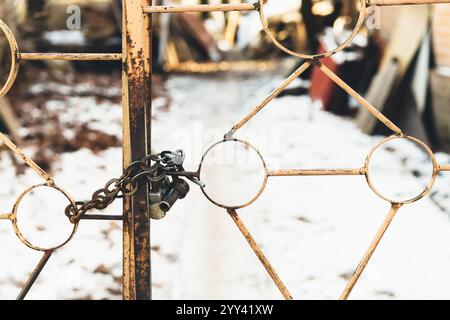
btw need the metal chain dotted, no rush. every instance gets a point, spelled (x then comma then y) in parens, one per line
(165, 164)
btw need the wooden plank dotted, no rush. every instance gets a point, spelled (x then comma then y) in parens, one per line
(404, 45)
(396, 60)
(441, 35)
(128, 282)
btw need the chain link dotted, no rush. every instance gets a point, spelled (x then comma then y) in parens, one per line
(165, 164)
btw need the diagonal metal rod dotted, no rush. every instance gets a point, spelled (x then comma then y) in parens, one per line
(272, 96)
(35, 274)
(260, 254)
(363, 102)
(201, 8)
(316, 172)
(25, 158)
(370, 251)
(71, 56)
(402, 2)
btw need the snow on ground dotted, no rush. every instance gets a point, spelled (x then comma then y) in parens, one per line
(313, 229)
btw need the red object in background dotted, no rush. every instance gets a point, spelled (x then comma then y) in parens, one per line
(322, 88)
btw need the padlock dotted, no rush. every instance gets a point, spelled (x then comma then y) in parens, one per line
(156, 196)
(177, 190)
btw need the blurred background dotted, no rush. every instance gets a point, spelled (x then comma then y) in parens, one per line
(210, 70)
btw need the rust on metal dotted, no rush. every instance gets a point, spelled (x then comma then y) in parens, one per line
(26, 159)
(370, 251)
(202, 8)
(363, 102)
(34, 275)
(5, 216)
(71, 56)
(345, 44)
(16, 56)
(128, 283)
(136, 83)
(14, 217)
(102, 217)
(223, 66)
(426, 150)
(444, 168)
(402, 2)
(316, 172)
(14, 50)
(263, 184)
(137, 41)
(363, 171)
(260, 254)
(271, 97)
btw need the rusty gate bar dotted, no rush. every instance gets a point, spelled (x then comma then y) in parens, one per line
(128, 286)
(403, 2)
(269, 99)
(136, 98)
(5, 216)
(260, 254)
(316, 172)
(137, 51)
(202, 8)
(102, 217)
(35, 274)
(355, 95)
(26, 159)
(136, 107)
(370, 251)
(71, 56)
(144, 290)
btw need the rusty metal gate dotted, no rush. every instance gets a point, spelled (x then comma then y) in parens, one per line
(136, 81)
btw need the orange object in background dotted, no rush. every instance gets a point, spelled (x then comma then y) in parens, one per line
(323, 88)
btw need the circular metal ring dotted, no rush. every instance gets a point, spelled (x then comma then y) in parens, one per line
(356, 30)
(16, 227)
(263, 185)
(14, 48)
(427, 150)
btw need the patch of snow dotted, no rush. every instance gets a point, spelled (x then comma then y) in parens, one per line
(65, 37)
(314, 230)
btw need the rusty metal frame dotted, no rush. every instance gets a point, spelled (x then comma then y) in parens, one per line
(311, 60)
(136, 81)
(137, 144)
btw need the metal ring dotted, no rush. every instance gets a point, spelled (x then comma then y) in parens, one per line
(264, 183)
(16, 227)
(14, 48)
(356, 30)
(421, 144)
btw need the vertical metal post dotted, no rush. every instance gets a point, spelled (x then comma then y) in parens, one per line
(136, 81)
